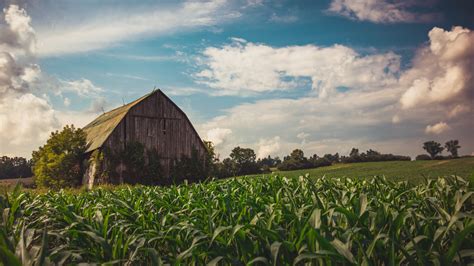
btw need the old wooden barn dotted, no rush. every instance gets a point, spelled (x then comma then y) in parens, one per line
(152, 120)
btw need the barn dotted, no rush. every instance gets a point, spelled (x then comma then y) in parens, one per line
(154, 121)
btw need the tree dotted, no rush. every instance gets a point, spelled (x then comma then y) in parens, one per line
(452, 146)
(244, 159)
(433, 148)
(295, 160)
(354, 152)
(211, 159)
(57, 164)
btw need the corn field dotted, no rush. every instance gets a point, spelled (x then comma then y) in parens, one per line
(245, 221)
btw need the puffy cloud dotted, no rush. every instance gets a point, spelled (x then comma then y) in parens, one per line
(218, 135)
(437, 128)
(441, 72)
(391, 109)
(17, 34)
(118, 24)
(268, 147)
(246, 68)
(382, 11)
(83, 87)
(26, 116)
(345, 117)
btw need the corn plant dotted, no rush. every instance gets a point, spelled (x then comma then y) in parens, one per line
(245, 221)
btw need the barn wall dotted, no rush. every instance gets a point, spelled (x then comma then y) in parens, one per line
(157, 123)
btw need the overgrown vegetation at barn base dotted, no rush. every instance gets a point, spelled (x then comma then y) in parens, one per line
(271, 220)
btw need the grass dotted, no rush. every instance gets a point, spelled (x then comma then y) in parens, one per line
(244, 221)
(412, 171)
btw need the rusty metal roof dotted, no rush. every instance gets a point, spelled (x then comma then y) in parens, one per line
(100, 129)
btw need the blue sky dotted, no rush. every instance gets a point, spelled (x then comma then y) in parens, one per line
(324, 76)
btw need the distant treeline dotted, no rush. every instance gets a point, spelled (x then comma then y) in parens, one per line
(14, 167)
(242, 161)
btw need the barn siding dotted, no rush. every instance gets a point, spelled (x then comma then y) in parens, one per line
(144, 123)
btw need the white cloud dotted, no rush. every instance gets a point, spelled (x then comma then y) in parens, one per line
(382, 11)
(82, 87)
(114, 26)
(437, 128)
(254, 3)
(184, 91)
(26, 116)
(218, 135)
(66, 101)
(442, 71)
(248, 68)
(377, 112)
(458, 110)
(347, 117)
(268, 147)
(283, 18)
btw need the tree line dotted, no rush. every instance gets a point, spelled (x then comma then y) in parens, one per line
(242, 161)
(14, 167)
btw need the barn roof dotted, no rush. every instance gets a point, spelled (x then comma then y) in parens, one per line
(99, 130)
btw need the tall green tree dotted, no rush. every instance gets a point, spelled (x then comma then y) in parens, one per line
(211, 159)
(433, 148)
(452, 146)
(244, 159)
(57, 164)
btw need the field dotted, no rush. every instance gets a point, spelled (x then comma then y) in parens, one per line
(412, 171)
(245, 221)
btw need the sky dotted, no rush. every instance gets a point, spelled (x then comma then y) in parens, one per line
(322, 76)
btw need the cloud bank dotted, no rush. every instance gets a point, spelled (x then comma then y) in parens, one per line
(248, 68)
(380, 105)
(383, 11)
(26, 116)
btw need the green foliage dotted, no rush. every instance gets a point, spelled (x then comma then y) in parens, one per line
(191, 168)
(57, 164)
(371, 156)
(245, 221)
(139, 165)
(423, 157)
(14, 167)
(244, 161)
(433, 148)
(211, 160)
(296, 160)
(452, 146)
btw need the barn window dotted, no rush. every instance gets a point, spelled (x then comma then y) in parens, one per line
(163, 126)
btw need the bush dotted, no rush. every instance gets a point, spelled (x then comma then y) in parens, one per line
(57, 164)
(189, 168)
(423, 157)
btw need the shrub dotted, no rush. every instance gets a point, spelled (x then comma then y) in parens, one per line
(57, 164)
(423, 157)
(191, 168)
